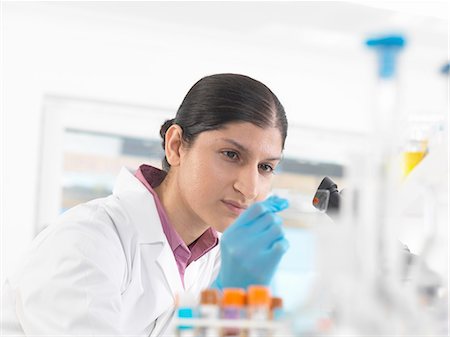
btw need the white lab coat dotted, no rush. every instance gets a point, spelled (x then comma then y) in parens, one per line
(104, 268)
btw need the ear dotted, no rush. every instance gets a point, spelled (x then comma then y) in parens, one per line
(174, 143)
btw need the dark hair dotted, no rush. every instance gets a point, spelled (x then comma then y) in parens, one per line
(219, 99)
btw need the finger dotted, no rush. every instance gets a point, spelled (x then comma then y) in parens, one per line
(255, 211)
(280, 246)
(258, 209)
(263, 223)
(276, 204)
(268, 237)
(273, 256)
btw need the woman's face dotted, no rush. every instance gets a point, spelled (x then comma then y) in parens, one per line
(225, 171)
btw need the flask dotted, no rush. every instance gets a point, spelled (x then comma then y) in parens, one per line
(415, 150)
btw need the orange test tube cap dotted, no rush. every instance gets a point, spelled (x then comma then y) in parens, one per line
(258, 295)
(233, 297)
(209, 296)
(276, 302)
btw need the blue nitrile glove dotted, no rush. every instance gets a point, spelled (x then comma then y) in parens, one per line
(252, 246)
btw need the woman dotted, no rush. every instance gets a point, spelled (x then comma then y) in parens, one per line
(113, 266)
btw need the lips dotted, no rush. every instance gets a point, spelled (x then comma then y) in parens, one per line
(235, 207)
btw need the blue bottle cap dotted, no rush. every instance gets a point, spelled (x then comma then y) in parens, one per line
(387, 47)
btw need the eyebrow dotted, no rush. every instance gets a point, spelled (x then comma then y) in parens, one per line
(242, 148)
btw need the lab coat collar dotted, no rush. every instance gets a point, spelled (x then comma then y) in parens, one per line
(141, 208)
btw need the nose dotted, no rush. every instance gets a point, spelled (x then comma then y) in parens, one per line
(247, 183)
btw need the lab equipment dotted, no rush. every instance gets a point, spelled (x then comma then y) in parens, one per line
(328, 202)
(276, 308)
(185, 330)
(258, 308)
(374, 296)
(387, 48)
(407, 258)
(445, 69)
(415, 151)
(233, 304)
(300, 213)
(359, 288)
(241, 312)
(209, 309)
(252, 247)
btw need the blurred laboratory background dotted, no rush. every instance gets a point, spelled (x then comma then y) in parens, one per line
(86, 86)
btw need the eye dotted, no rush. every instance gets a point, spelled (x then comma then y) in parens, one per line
(266, 168)
(231, 155)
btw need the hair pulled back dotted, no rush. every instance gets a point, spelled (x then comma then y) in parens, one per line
(217, 100)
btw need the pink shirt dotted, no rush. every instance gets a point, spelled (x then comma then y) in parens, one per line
(151, 177)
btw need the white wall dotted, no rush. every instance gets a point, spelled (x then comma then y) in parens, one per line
(141, 57)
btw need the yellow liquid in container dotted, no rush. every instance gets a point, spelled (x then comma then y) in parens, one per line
(411, 159)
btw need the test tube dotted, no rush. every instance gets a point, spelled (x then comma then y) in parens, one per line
(276, 308)
(185, 311)
(258, 302)
(209, 309)
(185, 330)
(233, 302)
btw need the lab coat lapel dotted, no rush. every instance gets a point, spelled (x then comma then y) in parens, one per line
(166, 261)
(142, 209)
(191, 275)
(163, 323)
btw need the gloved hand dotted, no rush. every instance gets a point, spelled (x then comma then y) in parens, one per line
(252, 246)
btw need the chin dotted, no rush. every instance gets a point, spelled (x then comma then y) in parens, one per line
(221, 227)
